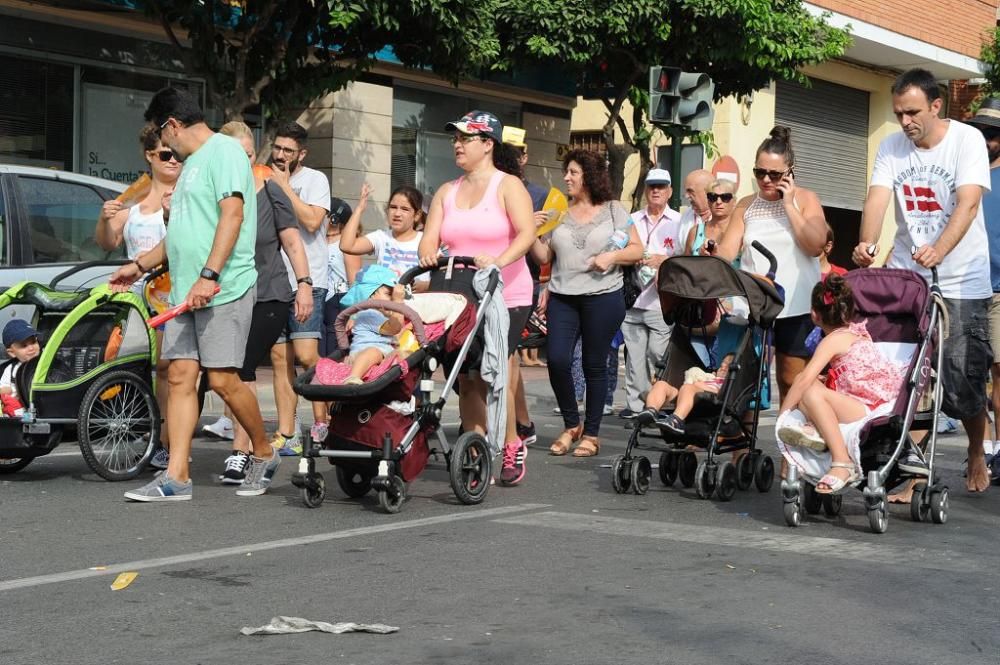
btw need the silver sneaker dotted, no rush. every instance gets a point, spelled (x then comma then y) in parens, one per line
(162, 488)
(259, 475)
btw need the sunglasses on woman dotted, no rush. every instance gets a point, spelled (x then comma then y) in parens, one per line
(725, 198)
(166, 155)
(773, 175)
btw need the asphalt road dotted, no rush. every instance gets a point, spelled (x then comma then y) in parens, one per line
(558, 570)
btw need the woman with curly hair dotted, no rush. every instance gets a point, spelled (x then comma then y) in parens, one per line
(584, 297)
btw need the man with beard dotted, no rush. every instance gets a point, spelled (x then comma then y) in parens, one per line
(309, 191)
(208, 246)
(937, 170)
(987, 119)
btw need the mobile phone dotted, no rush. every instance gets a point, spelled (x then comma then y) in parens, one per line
(790, 174)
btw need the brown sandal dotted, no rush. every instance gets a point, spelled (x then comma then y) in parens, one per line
(589, 446)
(563, 442)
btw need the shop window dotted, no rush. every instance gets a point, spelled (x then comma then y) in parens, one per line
(61, 219)
(36, 113)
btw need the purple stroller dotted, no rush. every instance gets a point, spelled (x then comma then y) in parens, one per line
(905, 322)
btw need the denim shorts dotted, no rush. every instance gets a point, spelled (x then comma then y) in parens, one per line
(311, 328)
(967, 357)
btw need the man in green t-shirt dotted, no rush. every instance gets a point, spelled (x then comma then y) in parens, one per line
(211, 232)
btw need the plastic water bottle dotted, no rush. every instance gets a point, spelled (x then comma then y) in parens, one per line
(646, 273)
(618, 240)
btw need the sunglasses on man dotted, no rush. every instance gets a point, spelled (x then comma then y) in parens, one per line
(725, 198)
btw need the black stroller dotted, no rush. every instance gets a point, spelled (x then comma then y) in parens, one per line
(691, 289)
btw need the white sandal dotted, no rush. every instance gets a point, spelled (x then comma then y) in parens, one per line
(836, 483)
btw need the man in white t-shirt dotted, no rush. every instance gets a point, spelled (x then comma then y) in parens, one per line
(309, 192)
(937, 170)
(645, 332)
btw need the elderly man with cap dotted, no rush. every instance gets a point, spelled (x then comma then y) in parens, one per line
(987, 120)
(646, 334)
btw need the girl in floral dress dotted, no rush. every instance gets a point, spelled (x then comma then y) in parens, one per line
(860, 384)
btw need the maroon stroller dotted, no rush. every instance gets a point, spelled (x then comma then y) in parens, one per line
(373, 442)
(904, 320)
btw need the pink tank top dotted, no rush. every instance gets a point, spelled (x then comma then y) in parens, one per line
(863, 372)
(486, 229)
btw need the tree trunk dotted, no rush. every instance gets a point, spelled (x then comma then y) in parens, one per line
(618, 154)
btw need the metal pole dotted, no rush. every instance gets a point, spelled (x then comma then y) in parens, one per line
(676, 146)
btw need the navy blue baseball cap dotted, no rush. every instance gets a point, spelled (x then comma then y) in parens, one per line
(17, 330)
(478, 122)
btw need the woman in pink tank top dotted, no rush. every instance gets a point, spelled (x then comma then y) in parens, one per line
(486, 214)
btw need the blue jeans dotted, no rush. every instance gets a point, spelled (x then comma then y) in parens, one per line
(594, 319)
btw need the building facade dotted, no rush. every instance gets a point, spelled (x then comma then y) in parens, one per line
(76, 77)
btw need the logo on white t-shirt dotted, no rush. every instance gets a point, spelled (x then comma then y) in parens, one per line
(920, 198)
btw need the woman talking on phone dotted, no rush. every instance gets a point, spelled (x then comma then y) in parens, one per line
(788, 220)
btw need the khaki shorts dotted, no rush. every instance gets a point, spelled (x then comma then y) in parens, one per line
(995, 327)
(214, 336)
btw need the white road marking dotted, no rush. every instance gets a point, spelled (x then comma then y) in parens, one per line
(791, 542)
(242, 550)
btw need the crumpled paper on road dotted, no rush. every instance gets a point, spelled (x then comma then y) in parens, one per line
(291, 625)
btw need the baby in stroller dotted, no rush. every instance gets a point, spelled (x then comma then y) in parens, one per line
(696, 381)
(21, 342)
(373, 330)
(860, 380)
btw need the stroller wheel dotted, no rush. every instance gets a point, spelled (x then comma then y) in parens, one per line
(763, 473)
(878, 517)
(354, 482)
(314, 491)
(668, 468)
(640, 472)
(470, 468)
(686, 467)
(14, 464)
(725, 487)
(744, 471)
(119, 424)
(621, 473)
(705, 479)
(920, 505)
(392, 499)
(811, 501)
(793, 512)
(939, 506)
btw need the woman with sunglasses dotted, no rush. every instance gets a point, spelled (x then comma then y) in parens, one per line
(486, 214)
(789, 221)
(704, 236)
(142, 227)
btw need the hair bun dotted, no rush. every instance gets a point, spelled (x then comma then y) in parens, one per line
(781, 133)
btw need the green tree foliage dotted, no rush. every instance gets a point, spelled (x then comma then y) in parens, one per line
(990, 55)
(611, 44)
(283, 53)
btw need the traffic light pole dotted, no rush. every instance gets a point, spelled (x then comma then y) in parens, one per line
(676, 135)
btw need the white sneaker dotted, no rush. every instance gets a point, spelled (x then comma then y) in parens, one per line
(220, 429)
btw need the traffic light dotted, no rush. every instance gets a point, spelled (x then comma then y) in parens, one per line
(680, 98)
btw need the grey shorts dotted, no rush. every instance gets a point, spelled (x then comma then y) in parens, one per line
(967, 358)
(214, 336)
(995, 327)
(311, 328)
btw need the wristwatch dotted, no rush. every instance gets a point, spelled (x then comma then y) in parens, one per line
(208, 273)
(305, 280)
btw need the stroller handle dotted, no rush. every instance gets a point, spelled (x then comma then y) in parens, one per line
(772, 267)
(340, 324)
(80, 267)
(443, 262)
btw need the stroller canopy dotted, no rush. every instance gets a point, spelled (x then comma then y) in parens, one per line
(711, 278)
(894, 301)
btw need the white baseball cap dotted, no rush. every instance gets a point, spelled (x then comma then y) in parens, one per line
(658, 177)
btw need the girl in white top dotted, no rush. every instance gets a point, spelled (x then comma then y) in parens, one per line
(396, 250)
(142, 227)
(788, 221)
